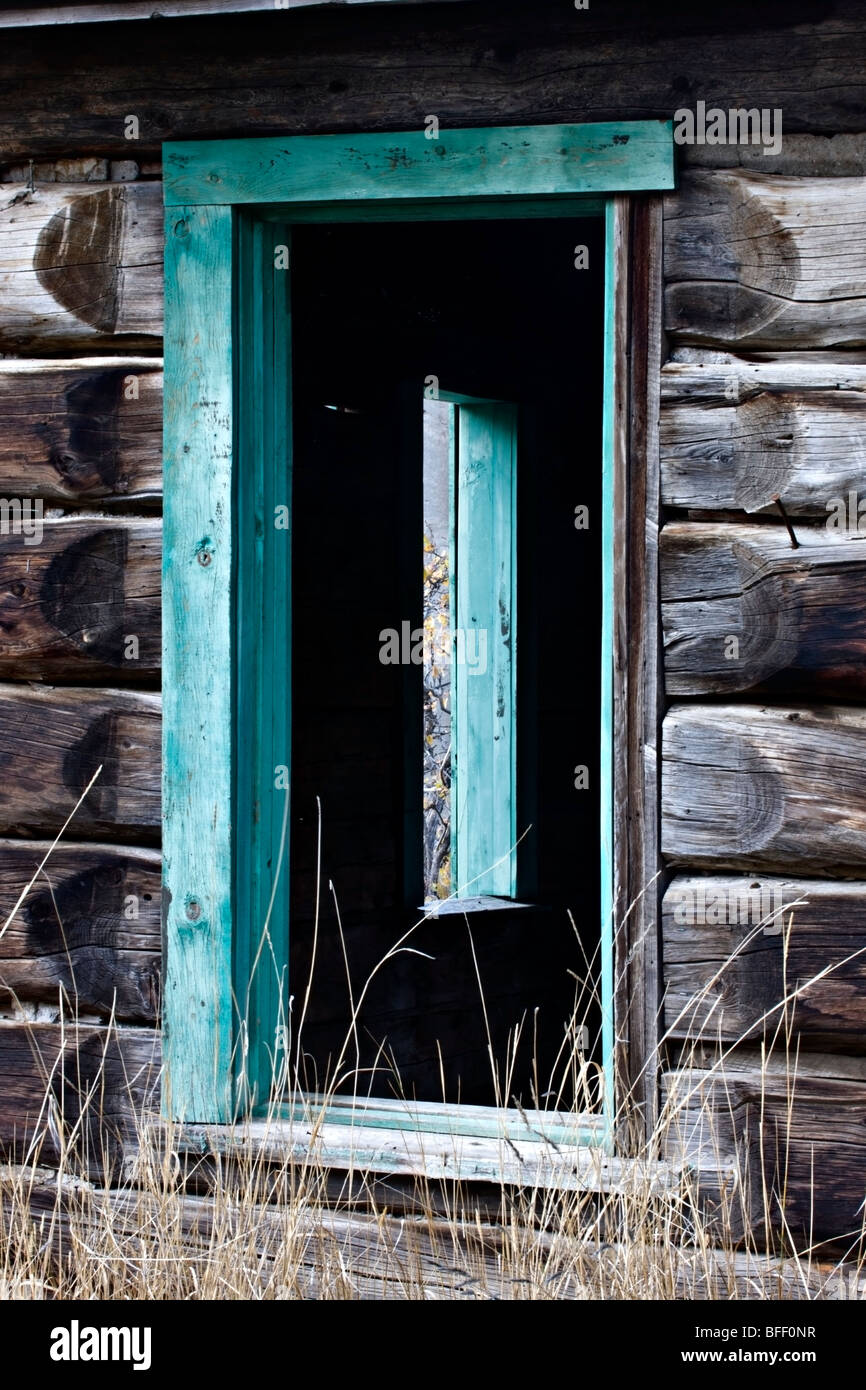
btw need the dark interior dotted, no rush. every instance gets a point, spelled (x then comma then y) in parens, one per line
(494, 309)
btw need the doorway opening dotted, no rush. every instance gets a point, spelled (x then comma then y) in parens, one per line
(428, 357)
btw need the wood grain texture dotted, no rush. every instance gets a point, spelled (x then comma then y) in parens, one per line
(81, 267)
(484, 561)
(637, 658)
(360, 67)
(262, 645)
(735, 948)
(90, 1086)
(525, 1163)
(89, 929)
(525, 162)
(197, 772)
(766, 262)
(83, 430)
(741, 609)
(805, 1136)
(51, 743)
(736, 434)
(82, 604)
(751, 786)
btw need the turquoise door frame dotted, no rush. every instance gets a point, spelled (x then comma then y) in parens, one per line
(226, 615)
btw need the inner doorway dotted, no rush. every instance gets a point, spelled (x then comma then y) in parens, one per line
(394, 325)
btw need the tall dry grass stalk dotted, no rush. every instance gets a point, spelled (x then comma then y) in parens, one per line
(255, 1218)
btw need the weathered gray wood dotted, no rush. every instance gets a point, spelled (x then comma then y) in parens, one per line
(766, 262)
(801, 155)
(741, 608)
(83, 603)
(346, 68)
(55, 1075)
(84, 169)
(88, 931)
(735, 948)
(803, 1121)
(737, 434)
(82, 430)
(80, 266)
(51, 743)
(637, 668)
(567, 1167)
(744, 785)
(381, 1255)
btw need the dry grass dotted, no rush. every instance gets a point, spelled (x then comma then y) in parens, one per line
(266, 1221)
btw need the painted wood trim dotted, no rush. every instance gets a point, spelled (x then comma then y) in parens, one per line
(495, 162)
(484, 573)
(198, 651)
(437, 1117)
(262, 655)
(613, 708)
(197, 620)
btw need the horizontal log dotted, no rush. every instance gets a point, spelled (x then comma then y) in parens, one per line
(383, 1255)
(80, 266)
(736, 435)
(81, 430)
(810, 156)
(88, 930)
(797, 1125)
(766, 262)
(346, 69)
(742, 609)
(76, 1090)
(748, 786)
(736, 948)
(52, 742)
(81, 601)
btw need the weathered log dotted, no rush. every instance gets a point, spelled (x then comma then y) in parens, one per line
(737, 434)
(782, 788)
(797, 1125)
(88, 931)
(52, 742)
(81, 430)
(348, 69)
(83, 169)
(76, 1089)
(766, 262)
(80, 266)
(385, 1254)
(83, 602)
(736, 948)
(742, 609)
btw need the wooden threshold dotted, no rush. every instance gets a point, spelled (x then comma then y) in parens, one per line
(378, 1142)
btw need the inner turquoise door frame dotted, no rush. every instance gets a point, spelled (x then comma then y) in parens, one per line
(227, 463)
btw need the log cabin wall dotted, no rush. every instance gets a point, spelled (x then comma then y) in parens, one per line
(764, 624)
(763, 397)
